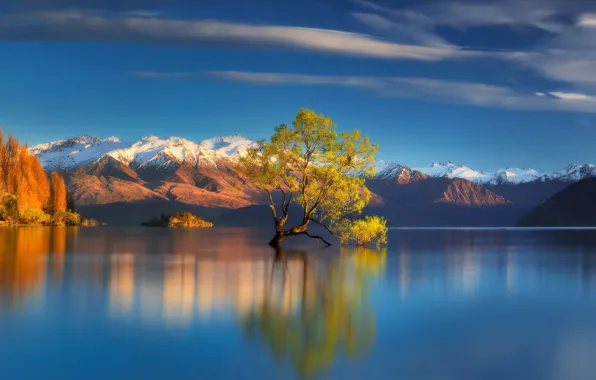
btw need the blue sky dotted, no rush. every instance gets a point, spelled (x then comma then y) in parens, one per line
(486, 83)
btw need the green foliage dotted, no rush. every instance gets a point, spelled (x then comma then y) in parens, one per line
(371, 229)
(313, 165)
(67, 218)
(8, 207)
(34, 216)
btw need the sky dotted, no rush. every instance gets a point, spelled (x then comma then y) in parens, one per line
(489, 84)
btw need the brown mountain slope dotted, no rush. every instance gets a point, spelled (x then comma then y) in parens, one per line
(90, 189)
(406, 176)
(108, 181)
(192, 195)
(434, 190)
(109, 167)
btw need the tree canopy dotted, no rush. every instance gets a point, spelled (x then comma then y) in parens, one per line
(310, 164)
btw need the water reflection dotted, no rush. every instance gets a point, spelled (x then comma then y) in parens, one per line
(314, 311)
(23, 262)
(328, 310)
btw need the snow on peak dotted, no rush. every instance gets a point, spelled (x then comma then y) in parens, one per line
(444, 164)
(148, 151)
(149, 137)
(514, 176)
(506, 175)
(73, 152)
(227, 146)
(151, 151)
(451, 170)
(387, 169)
(573, 172)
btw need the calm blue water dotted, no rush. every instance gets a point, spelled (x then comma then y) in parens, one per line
(108, 303)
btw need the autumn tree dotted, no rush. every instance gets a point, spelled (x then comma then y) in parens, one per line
(314, 166)
(58, 194)
(23, 181)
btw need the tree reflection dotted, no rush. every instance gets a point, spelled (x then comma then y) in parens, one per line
(23, 260)
(334, 316)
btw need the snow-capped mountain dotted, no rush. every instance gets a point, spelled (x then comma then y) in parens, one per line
(572, 173)
(150, 151)
(513, 176)
(506, 175)
(154, 152)
(74, 152)
(451, 170)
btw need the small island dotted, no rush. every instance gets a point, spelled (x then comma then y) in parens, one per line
(178, 219)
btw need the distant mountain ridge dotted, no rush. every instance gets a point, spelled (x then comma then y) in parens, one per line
(152, 151)
(148, 151)
(176, 174)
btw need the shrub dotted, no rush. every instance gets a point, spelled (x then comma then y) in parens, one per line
(34, 216)
(371, 229)
(67, 218)
(89, 223)
(343, 231)
(8, 207)
(187, 219)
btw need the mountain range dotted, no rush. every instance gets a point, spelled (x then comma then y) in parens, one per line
(126, 183)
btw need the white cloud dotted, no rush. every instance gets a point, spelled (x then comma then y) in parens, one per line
(588, 20)
(477, 94)
(573, 97)
(83, 26)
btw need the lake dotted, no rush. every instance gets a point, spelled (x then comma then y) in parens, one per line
(134, 303)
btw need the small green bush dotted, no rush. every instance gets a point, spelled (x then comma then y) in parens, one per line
(34, 216)
(8, 207)
(371, 229)
(67, 218)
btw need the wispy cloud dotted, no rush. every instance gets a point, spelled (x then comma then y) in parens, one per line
(83, 26)
(477, 94)
(567, 53)
(114, 5)
(404, 27)
(573, 97)
(461, 14)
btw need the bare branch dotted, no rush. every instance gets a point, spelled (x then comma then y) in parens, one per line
(323, 225)
(283, 203)
(316, 237)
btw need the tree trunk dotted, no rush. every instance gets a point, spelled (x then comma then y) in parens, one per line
(281, 234)
(277, 239)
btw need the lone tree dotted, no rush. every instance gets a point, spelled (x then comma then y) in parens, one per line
(312, 165)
